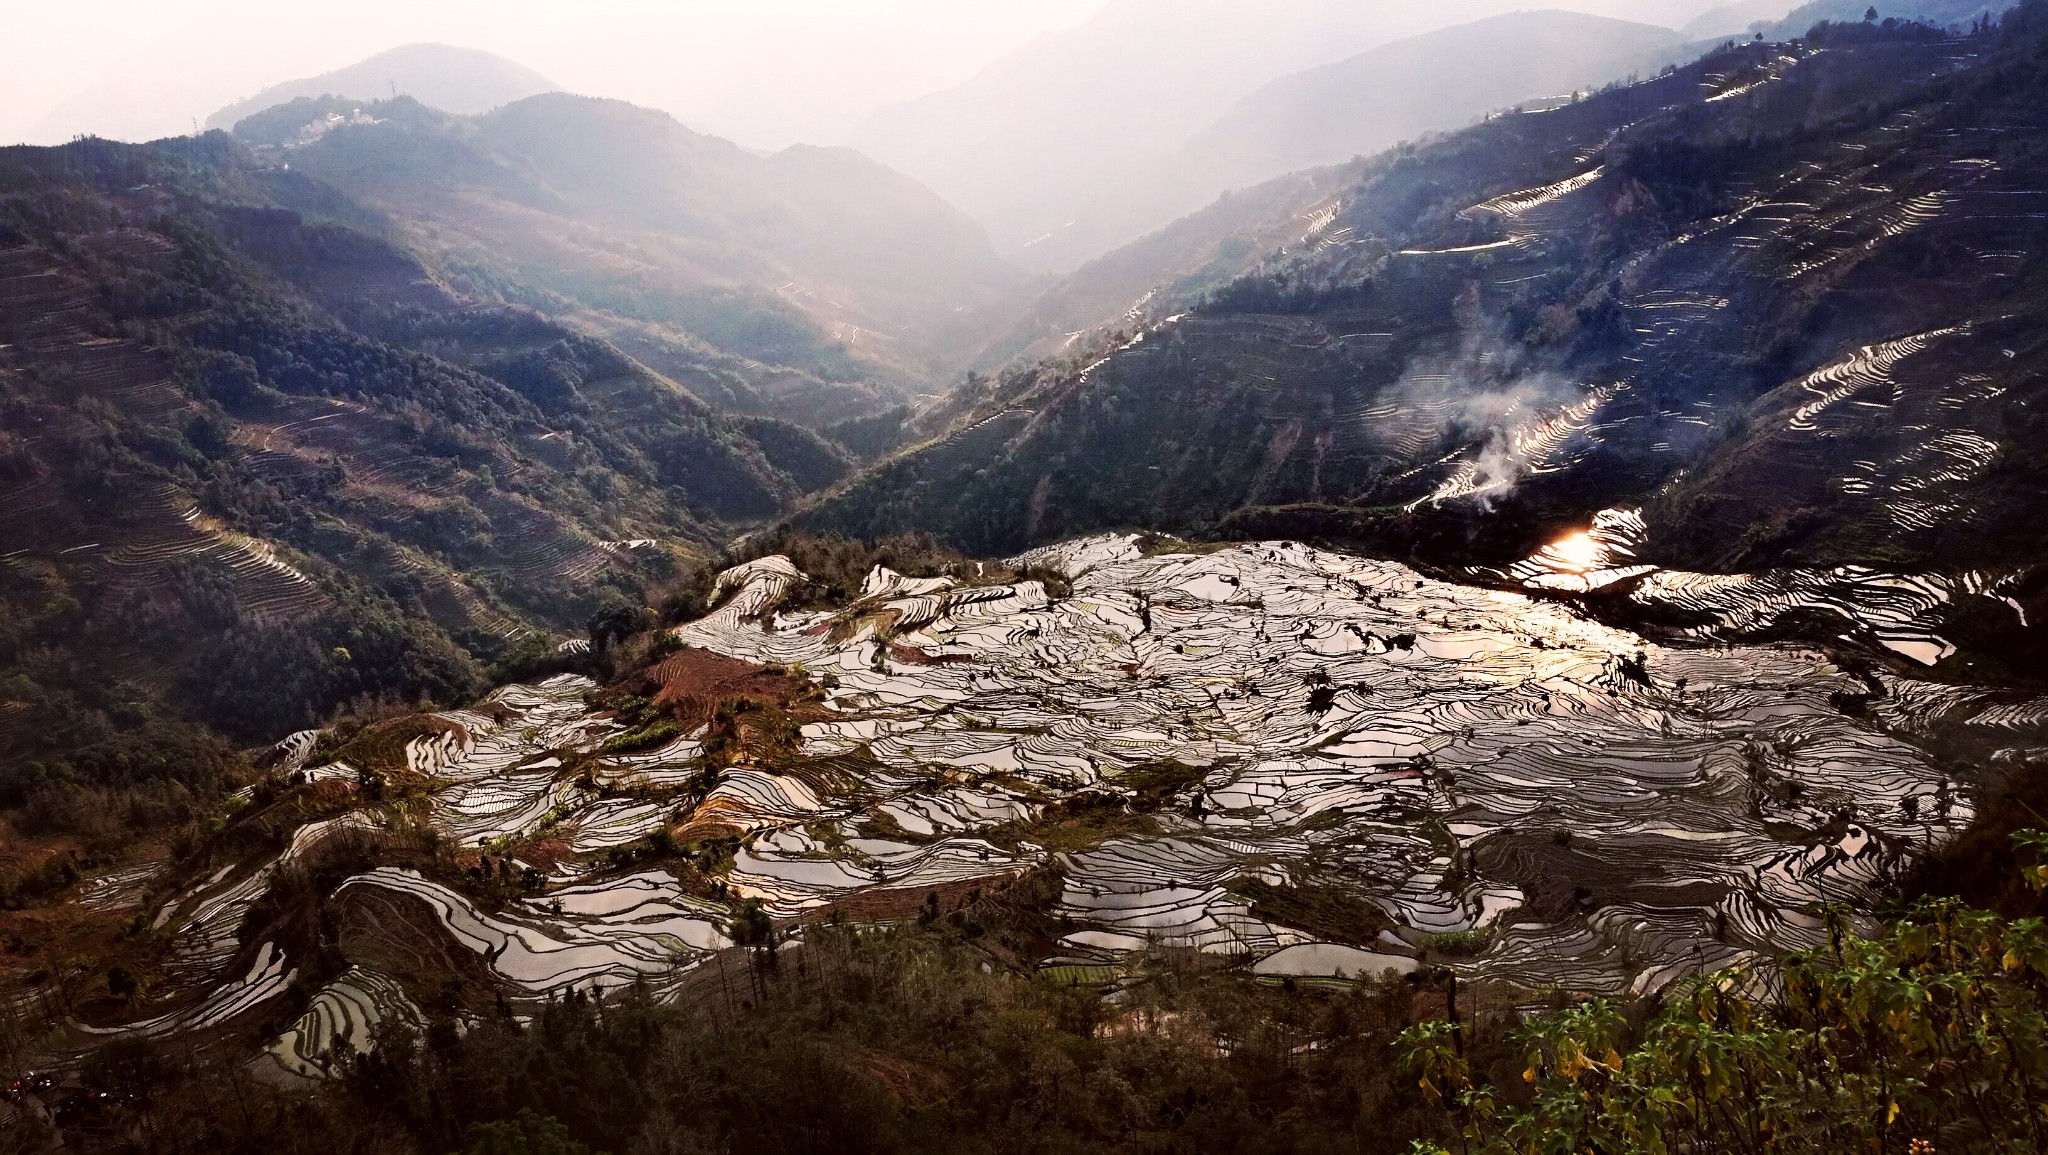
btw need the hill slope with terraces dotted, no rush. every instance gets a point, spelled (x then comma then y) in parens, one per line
(1788, 299)
(256, 463)
(1098, 759)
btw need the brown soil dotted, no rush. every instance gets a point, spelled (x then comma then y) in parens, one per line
(905, 902)
(1323, 911)
(401, 935)
(381, 745)
(904, 1081)
(709, 822)
(912, 656)
(693, 683)
(65, 935)
(55, 932)
(1562, 880)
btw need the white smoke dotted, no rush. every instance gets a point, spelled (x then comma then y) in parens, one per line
(1498, 417)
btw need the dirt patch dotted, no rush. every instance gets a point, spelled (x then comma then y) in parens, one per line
(904, 1081)
(718, 820)
(692, 684)
(907, 902)
(1322, 911)
(912, 656)
(1075, 824)
(379, 746)
(44, 927)
(1562, 878)
(79, 943)
(402, 936)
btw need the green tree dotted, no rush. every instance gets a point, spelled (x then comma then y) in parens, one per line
(525, 1134)
(1929, 1037)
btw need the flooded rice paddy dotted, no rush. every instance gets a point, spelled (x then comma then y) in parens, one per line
(1487, 777)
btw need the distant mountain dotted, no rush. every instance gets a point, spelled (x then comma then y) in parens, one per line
(463, 81)
(1039, 133)
(1943, 13)
(1789, 299)
(1735, 19)
(1356, 107)
(832, 280)
(264, 459)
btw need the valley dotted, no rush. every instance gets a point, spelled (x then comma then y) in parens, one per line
(528, 627)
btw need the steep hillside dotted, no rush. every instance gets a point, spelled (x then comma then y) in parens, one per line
(464, 81)
(1319, 117)
(1191, 257)
(1802, 279)
(1359, 106)
(256, 464)
(828, 281)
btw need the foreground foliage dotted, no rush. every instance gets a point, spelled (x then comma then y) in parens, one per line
(1929, 1037)
(862, 1040)
(936, 1034)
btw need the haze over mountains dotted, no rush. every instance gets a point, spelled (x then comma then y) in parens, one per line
(1026, 141)
(1700, 278)
(463, 81)
(833, 313)
(769, 72)
(1089, 138)
(1355, 107)
(816, 262)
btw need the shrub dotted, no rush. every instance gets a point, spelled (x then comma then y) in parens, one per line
(1930, 1036)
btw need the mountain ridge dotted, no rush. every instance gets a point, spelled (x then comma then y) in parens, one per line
(1360, 105)
(1019, 144)
(818, 261)
(1281, 404)
(462, 81)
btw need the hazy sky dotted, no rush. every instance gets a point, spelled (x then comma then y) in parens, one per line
(765, 72)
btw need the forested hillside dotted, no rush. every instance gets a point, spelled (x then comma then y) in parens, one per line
(1790, 296)
(258, 462)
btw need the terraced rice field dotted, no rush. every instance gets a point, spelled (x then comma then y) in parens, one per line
(1586, 807)
(535, 544)
(1925, 411)
(45, 321)
(1365, 729)
(1535, 442)
(266, 587)
(1868, 368)
(1900, 612)
(638, 927)
(341, 1021)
